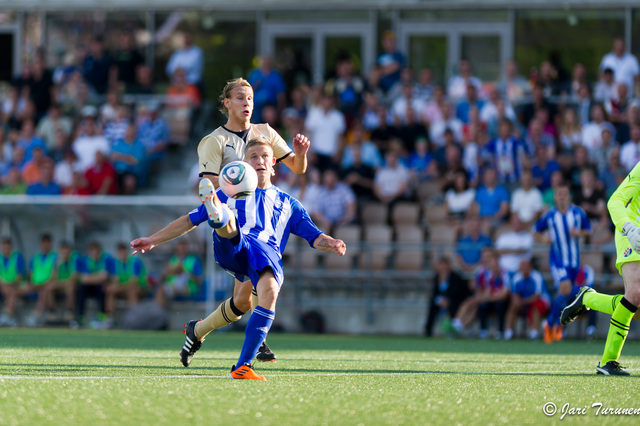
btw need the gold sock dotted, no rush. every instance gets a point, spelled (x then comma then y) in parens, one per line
(225, 314)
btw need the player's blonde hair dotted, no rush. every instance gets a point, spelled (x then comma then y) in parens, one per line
(226, 92)
(260, 140)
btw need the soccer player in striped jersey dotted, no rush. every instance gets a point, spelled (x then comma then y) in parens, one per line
(249, 238)
(624, 208)
(225, 144)
(565, 224)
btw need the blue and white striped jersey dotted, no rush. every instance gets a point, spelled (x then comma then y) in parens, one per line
(269, 215)
(565, 250)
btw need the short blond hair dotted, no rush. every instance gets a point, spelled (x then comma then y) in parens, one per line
(226, 92)
(260, 140)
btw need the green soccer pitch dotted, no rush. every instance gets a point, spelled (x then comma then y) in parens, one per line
(64, 377)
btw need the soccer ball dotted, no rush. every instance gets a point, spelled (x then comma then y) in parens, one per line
(238, 179)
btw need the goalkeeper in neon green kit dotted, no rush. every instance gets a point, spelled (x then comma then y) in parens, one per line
(624, 208)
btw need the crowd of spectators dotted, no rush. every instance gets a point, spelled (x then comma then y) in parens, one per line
(67, 130)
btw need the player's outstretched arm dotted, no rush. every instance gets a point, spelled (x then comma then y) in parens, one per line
(175, 229)
(327, 243)
(298, 161)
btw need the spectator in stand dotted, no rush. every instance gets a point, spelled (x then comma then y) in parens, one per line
(337, 202)
(144, 84)
(420, 163)
(63, 172)
(424, 88)
(268, 88)
(182, 277)
(539, 101)
(299, 101)
(154, 132)
(13, 107)
(79, 185)
(12, 184)
(305, 188)
(368, 152)
(580, 162)
(610, 174)
(359, 176)
(617, 110)
(526, 201)
(109, 110)
(458, 199)
(584, 104)
(396, 91)
(348, 87)
(470, 101)
(579, 78)
(506, 154)
(492, 199)
(32, 170)
(86, 146)
(539, 140)
(606, 87)
(96, 68)
(598, 157)
(190, 58)
(529, 295)
(326, 126)
(51, 123)
(437, 129)
(624, 65)
(591, 198)
(13, 275)
(402, 104)
(46, 186)
(181, 93)
(28, 139)
(496, 108)
(630, 151)
(550, 79)
(94, 272)
(128, 157)
(383, 133)
(557, 179)
(101, 176)
(392, 180)
(545, 165)
(432, 111)
(126, 60)
(514, 245)
(116, 128)
(17, 161)
(41, 87)
(411, 130)
(390, 62)
(129, 280)
(592, 131)
(450, 291)
(470, 245)
(570, 132)
(513, 86)
(458, 84)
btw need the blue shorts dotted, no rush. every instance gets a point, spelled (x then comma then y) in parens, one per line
(562, 273)
(247, 257)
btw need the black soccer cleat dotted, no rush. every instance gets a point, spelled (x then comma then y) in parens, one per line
(191, 343)
(576, 308)
(611, 368)
(264, 353)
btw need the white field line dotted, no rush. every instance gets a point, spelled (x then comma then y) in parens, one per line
(226, 376)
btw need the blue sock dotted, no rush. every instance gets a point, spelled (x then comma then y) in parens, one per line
(255, 333)
(223, 221)
(559, 303)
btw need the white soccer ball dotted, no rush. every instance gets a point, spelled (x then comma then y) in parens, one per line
(238, 179)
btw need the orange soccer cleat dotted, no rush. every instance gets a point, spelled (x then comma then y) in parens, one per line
(557, 332)
(245, 372)
(548, 334)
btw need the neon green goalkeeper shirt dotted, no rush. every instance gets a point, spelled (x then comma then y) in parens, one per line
(624, 204)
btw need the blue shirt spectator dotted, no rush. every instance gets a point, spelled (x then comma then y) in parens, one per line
(471, 101)
(505, 153)
(390, 62)
(128, 154)
(543, 169)
(492, 198)
(470, 245)
(268, 88)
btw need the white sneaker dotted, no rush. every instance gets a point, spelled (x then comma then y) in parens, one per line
(497, 335)
(32, 321)
(533, 334)
(4, 320)
(210, 200)
(508, 334)
(483, 334)
(591, 332)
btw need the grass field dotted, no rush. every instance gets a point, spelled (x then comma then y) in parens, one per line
(89, 377)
